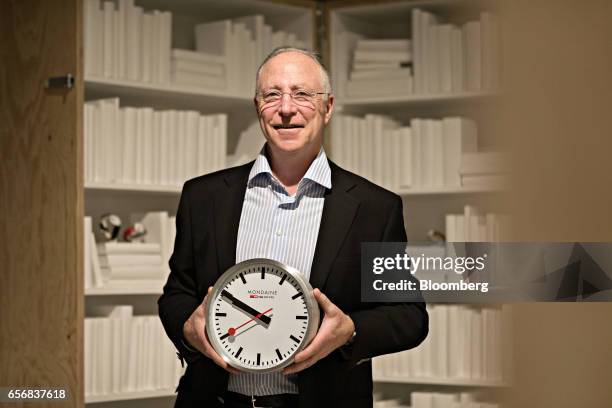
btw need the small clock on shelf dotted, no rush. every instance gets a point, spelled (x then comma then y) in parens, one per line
(260, 314)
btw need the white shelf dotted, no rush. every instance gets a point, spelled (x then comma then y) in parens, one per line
(446, 190)
(165, 95)
(129, 396)
(451, 382)
(110, 291)
(140, 188)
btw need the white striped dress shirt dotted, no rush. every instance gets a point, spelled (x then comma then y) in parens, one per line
(276, 225)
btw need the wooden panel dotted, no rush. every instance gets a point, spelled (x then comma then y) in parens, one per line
(41, 198)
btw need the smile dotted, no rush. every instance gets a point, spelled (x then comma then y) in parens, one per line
(287, 126)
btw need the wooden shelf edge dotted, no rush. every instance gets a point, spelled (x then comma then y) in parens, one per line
(414, 98)
(106, 291)
(447, 190)
(141, 188)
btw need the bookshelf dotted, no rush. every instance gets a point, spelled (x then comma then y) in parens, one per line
(425, 206)
(159, 93)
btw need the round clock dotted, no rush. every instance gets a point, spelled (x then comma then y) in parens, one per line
(260, 314)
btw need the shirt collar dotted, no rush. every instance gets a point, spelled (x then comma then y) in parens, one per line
(319, 170)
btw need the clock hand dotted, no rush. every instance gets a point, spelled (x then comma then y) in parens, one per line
(246, 308)
(232, 330)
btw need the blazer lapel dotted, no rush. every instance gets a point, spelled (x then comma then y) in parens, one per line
(227, 210)
(339, 211)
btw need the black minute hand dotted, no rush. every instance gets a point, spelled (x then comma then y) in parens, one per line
(246, 308)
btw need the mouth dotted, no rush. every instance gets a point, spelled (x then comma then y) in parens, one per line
(288, 126)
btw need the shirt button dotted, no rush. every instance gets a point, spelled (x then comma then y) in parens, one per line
(279, 232)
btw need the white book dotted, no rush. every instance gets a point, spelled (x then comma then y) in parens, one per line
(489, 39)
(96, 355)
(406, 155)
(156, 34)
(189, 78)
(404, 56)
(444, 57)
(128, 149)
(417, 48)
(460, 137)
(89, 49)
(473, 55)
(460, 228)
(140, 139)
(417, 152)
(117, 159)
(191, 138)
(147, 146)
(106, 353)
(402, 72)
(216, 38)
(457, 60)
(449, 228)
(98, 280)
(470, 213)
(442, 349)
(105, 248)
(171, 147)
(147, 45)
(87, 262)
(125, 8)
(466, 342)
(87, 142)
(203, 152)
(438, 154)
(164, 135)
(433, 59)
(116, 45)
(476, 344)
(421, 399)
(132, 384)
(181, 145)
(156, 148)
(376, 65)
(220, 122)
(88, 355)
(134, 43)
(198, 68)
(199, 58)
(385, 44)
(165, 47)
(427, 49)
(454, 342)
(108, 62)
(120, 260)
(255, 24)
(376, 87)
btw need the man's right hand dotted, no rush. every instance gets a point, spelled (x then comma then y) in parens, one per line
(194, 331)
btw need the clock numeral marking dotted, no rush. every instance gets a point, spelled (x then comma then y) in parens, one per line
(297, 295)
(238, 352)
(292, 337)
(278, 353)
(224, 336)
(220, 314)
(258, 358)
(263, 273)
(301, 317)
(282, 279)
(242, 277)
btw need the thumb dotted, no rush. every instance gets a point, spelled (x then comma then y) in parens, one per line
(323, 301)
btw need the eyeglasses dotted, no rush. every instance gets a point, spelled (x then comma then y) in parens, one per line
(300, 97)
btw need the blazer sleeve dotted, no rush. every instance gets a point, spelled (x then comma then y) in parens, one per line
(179, 298)
(389, 327)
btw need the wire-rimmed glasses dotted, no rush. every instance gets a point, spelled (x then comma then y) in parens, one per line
(300, 97)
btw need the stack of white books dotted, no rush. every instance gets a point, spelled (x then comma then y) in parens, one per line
(464, 343)
(127, 353)
(448, 58)
(428, 399)
(125, 42)
(484, 170)
(131, 264)
(161, 229)
(381, 67)
(473, 226)
(426, 154)
(198, 69)
(146, 147)
(244, 42)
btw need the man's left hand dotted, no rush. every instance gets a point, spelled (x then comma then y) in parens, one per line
(336, 329)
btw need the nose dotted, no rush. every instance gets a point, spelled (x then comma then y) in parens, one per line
(287, 107)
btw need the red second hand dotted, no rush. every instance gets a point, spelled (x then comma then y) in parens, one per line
(232, 330)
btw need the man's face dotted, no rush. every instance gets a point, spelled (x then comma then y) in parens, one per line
(288, 126)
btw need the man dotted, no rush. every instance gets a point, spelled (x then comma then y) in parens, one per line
(295, 206)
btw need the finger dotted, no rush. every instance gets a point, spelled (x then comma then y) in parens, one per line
(297, 367)
(323, 301)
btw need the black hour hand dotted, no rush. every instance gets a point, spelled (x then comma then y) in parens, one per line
(245, 308)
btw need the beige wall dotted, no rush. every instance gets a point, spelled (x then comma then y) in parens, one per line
(557, 114)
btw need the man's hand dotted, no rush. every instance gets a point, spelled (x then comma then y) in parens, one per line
(194, 331)
(336, 329)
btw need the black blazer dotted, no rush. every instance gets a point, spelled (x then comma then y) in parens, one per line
(354, 211)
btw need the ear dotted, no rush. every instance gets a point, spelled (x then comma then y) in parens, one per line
(329, 108)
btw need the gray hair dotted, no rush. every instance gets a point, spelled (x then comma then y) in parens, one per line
(313, 55)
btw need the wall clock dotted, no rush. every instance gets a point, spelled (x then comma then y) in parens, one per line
(260, 314)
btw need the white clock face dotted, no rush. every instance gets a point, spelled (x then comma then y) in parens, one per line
(260, 314)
